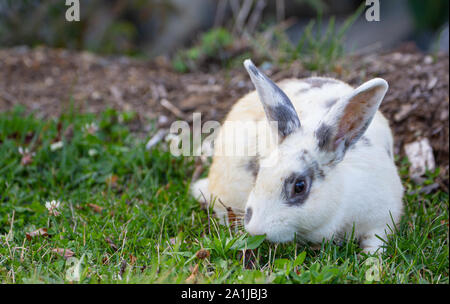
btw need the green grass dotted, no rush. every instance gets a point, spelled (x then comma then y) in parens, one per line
(212, 44)
(149, 229)
(319, 50)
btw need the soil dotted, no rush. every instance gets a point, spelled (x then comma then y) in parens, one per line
(46, 81)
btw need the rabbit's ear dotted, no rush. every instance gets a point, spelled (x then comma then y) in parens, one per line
(349, 118)
(276, 104)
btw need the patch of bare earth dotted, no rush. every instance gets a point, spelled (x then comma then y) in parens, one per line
(46, 81)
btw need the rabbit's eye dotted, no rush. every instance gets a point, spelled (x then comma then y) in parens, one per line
(296, 189)
(299, 186)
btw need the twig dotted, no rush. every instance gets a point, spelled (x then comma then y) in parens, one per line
(256, 15)
(156, 139)
(280, 7)
(197, 171)
(173, 109)
(235, 8)
(123, 267)
(242, 16)
(12, 274)
(74, 221)
(7, 97)
(220, 13)
(207, 212)
(369, 49)
(23, 249)
(282, 26)
(10, 235)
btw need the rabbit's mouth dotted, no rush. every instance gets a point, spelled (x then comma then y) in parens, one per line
(280, 235)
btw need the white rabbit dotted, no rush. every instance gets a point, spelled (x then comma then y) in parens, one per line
(330, 172)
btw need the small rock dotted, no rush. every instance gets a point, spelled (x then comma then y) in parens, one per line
(49, 81)
(163, 120)
(420, 155)
(116, 93)
(96, 95)
(428, 60)
(266, 66)
(432, 83)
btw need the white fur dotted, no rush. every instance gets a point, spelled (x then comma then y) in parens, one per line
(361, 190)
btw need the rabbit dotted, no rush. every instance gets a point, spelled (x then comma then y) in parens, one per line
(329, 173)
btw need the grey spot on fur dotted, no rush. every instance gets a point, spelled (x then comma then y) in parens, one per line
(286, 116)
(302, 90)
(302, 155)
(254, 70)
(280, 108)
(253, 166)
(389, 152)
(363, 141)
(248, 215)
(366, 125)
(323, 135)
(317, 82)
(318, 172)
(330, 103)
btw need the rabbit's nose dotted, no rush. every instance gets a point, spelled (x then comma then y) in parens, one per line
(248, 215)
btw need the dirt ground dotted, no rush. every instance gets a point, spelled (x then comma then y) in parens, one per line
(46, 81)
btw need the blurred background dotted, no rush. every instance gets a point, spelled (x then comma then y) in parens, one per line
(193, 52)
(161, 27)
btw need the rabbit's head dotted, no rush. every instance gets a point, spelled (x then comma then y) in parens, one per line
(297, 192)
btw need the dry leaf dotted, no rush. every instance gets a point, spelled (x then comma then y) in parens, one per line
(197, 172)
(338, 69)
(132, 259)
(202, 254)
(111, 244)
(27, 156)
(26, 159)
(105, 259)
(58, 135)
(112, 181)
(315, 247)
(233, 219)
(96, 208)
(66, 253)
(39, 232)
(123, 267)
(192, 279)
(28, 137)
(68, 133)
